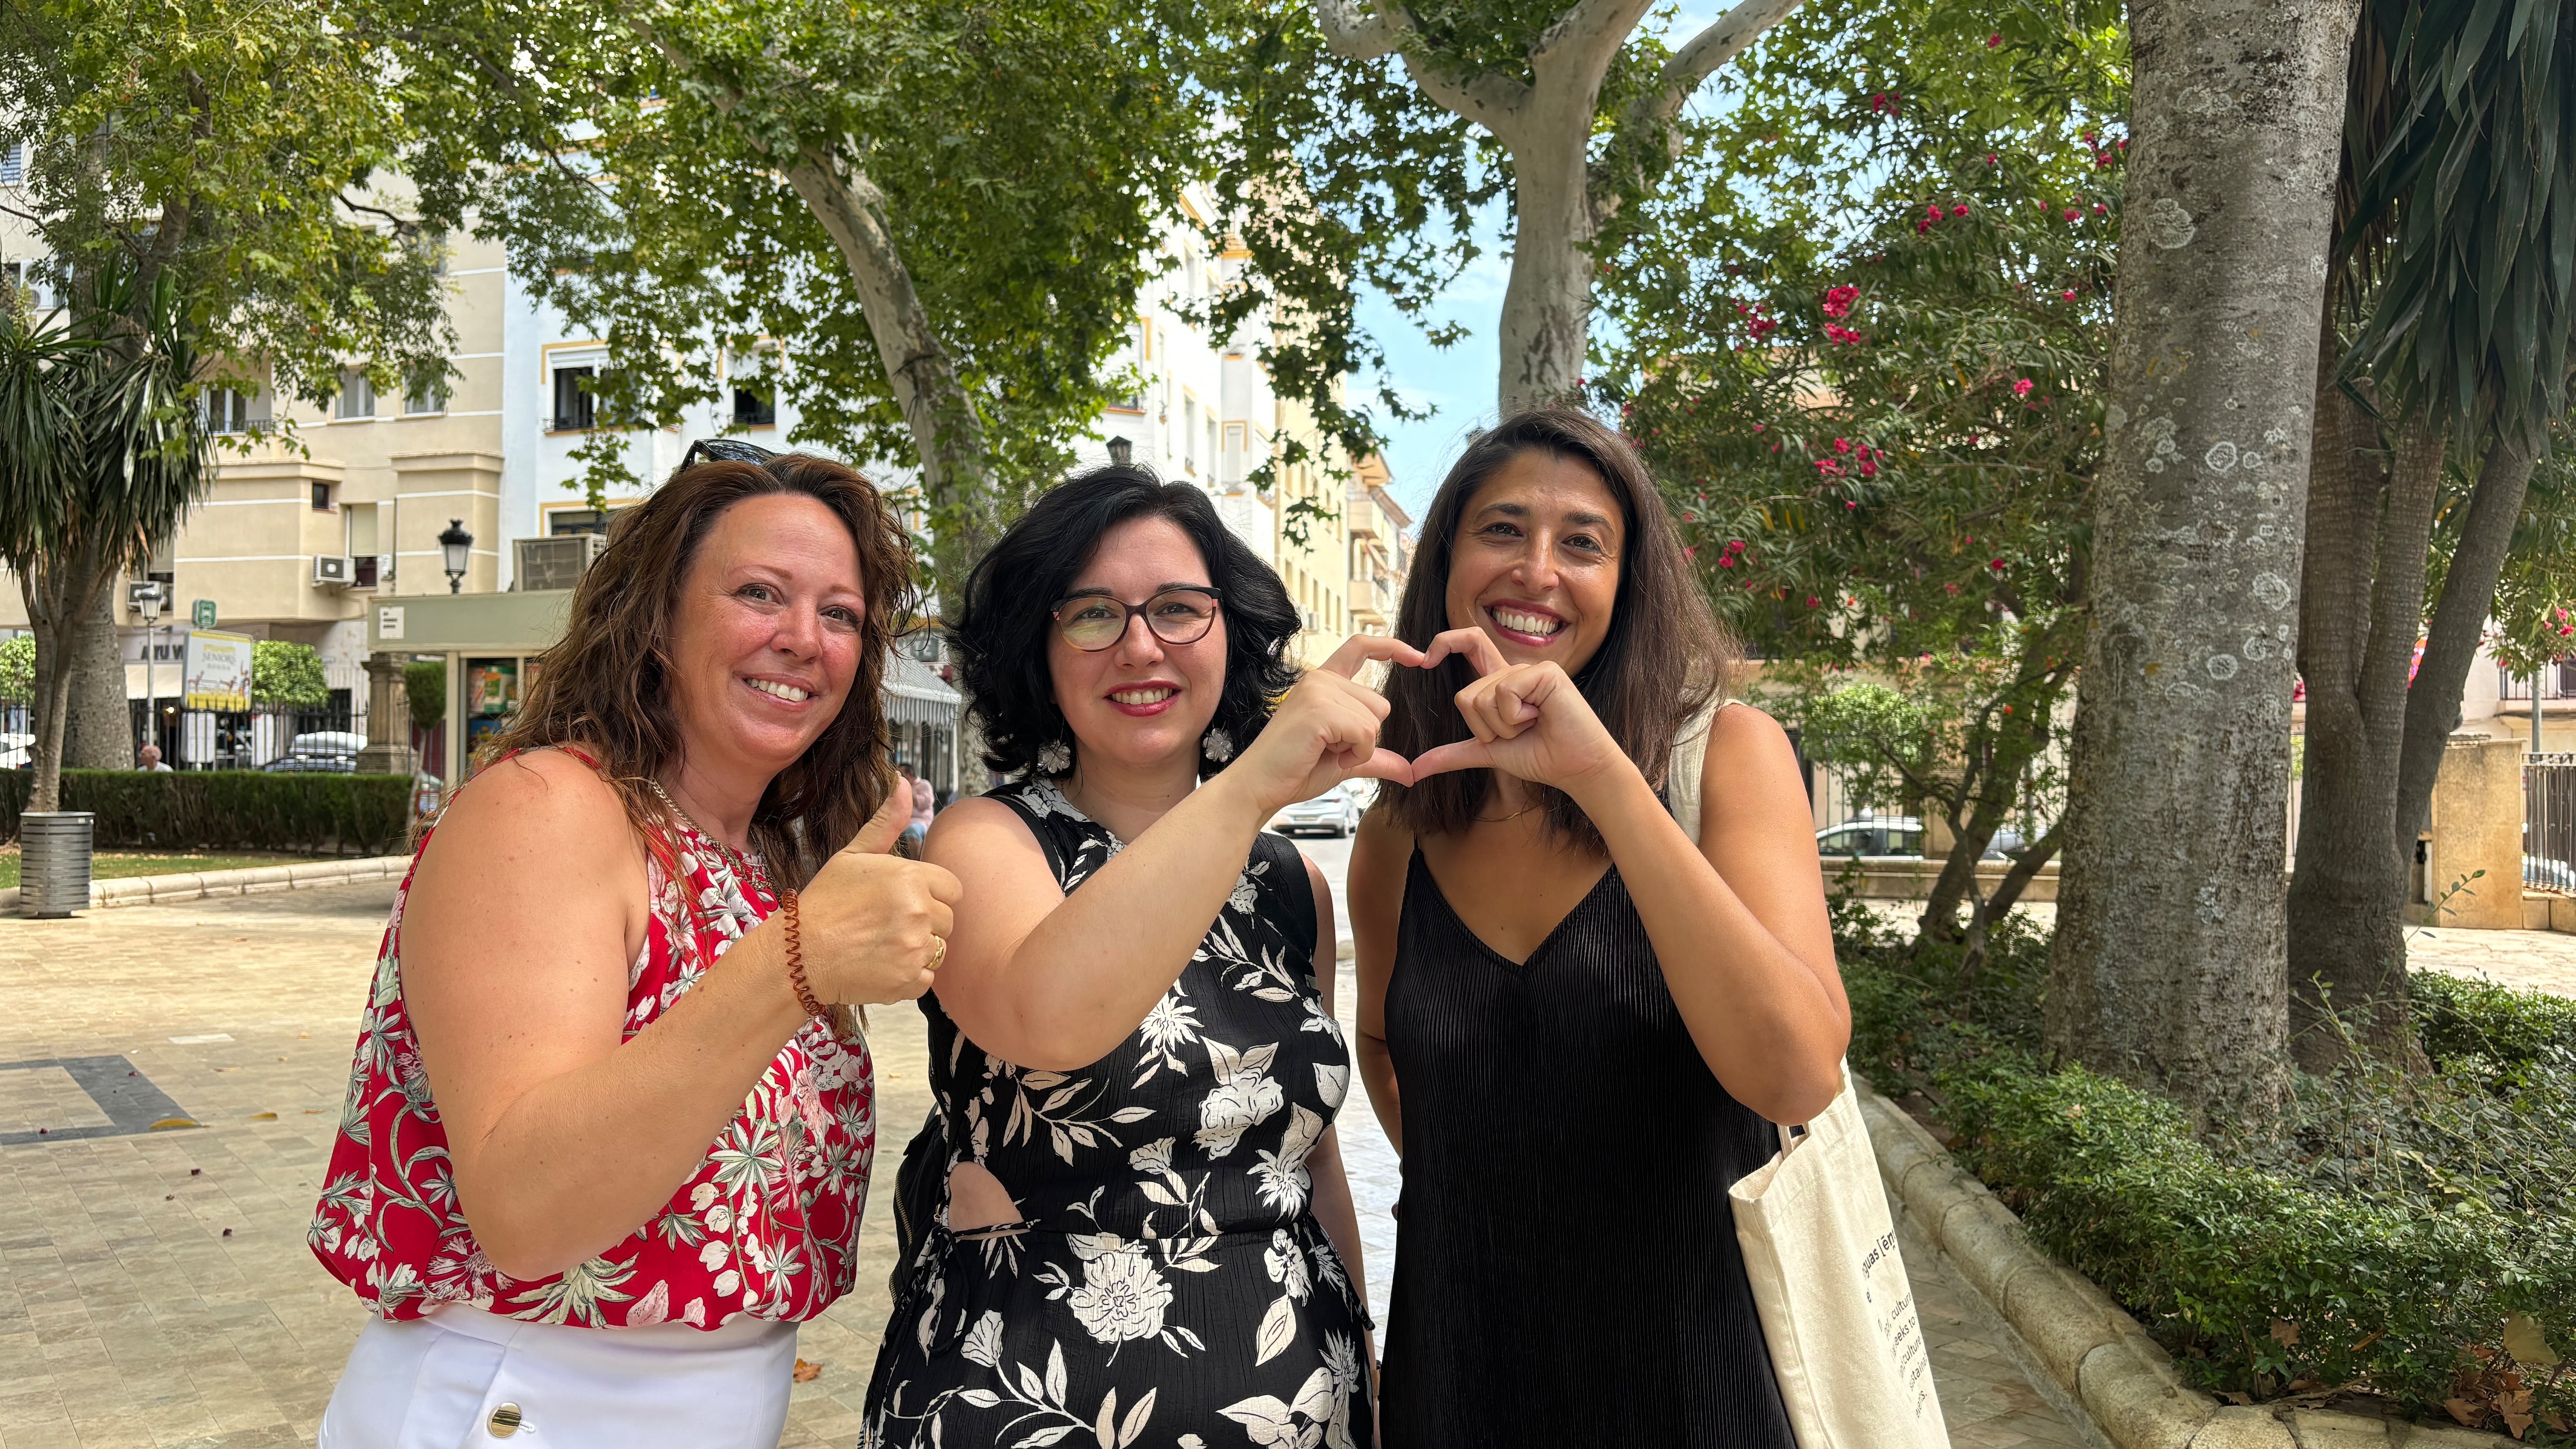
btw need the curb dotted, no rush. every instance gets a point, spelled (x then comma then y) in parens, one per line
(150, 890)
(2098, 1356)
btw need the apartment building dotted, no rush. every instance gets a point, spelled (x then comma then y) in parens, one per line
(1380, 552)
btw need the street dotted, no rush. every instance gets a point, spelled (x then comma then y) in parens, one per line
(155, 1289)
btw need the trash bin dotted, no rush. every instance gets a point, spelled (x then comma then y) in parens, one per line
(53, 864)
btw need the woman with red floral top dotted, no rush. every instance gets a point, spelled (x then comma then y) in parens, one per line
(610, 1124)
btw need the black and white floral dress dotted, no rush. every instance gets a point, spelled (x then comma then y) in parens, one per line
(1169, 1285)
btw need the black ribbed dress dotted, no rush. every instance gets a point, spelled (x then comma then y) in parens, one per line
(1566, 1271)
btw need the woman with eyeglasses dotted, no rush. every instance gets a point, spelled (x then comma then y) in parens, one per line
(608, 1130)
(1133, 1221)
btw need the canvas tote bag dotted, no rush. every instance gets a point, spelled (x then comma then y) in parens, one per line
(1837, 1309)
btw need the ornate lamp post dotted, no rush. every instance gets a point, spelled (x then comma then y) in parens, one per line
(458, 545)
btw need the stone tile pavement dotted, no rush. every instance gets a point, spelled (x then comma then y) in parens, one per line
(155, 1290)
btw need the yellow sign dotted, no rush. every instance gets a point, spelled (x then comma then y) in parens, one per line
(216, 674)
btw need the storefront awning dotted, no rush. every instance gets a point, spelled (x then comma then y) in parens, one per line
(915, 694)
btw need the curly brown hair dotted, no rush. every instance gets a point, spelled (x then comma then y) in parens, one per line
(604, 686)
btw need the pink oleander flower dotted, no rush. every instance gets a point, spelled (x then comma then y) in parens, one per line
(2022, 388)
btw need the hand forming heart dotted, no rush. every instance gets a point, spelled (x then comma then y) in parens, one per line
(1325, 731)
(1529, 719)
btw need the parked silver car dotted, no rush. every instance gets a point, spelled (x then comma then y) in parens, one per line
(1336, 812)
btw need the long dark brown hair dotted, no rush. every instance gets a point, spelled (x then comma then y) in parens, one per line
(605, 686)
(1664, 658)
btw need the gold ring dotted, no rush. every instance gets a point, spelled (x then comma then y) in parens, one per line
(938, 952)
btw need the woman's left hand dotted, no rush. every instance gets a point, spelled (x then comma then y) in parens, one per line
(1529, 719)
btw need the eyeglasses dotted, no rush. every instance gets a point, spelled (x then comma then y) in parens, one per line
(724, 450)
(1180, 615)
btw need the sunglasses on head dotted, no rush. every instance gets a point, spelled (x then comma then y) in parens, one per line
(725, 450)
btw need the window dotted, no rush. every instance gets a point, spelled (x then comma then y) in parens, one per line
(425, 398)
(227, 410)
(321, 497)
(565, 522)
(357, 396)
(13, 164)
(362, 544)
(753, 409)
(574, 405)
(1190, 433)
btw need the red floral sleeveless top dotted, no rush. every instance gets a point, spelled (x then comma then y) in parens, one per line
(768, 1226)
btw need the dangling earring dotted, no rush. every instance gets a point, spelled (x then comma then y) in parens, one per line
(1218, 746)
(1054, 758)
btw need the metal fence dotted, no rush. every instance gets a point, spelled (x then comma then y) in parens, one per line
(2549, 821)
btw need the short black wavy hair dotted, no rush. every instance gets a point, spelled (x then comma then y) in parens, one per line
(1000, 633)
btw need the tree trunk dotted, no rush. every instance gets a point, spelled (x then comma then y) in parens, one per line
(98, 730)
(2451, 643)
(2169, 966)
(2362, 594)
(946, 430)
(1547, 308)
(2008, 891)
(1992, 792)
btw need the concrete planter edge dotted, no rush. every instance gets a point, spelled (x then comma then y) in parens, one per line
(2132, 1394)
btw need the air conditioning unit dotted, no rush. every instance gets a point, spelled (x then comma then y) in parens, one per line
(331, 570)
(554, 563)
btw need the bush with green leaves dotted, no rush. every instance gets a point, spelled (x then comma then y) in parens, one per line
(425, 692)
(2407, 1235)
(306, 814)
(287, 676)
(18, 669)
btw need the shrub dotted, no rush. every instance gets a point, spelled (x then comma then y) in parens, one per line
(425, 690)
(287, 676)
(230, 809)
(18, 669)
(2410, 1235)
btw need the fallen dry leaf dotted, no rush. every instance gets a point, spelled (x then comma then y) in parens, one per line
(2529, 1345)
(806, 1373)
(2238, 1397)
(2286, 1332)
(263, 1116)
(2466, 1412)
(166, 1123)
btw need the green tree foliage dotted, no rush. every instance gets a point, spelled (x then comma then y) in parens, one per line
(101, 451)
(18, 669)
(234, 146)
(425, 692)
(287, 676)
(926, 223)
(1866, 355)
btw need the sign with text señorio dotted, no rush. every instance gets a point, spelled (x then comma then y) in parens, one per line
(217, 672)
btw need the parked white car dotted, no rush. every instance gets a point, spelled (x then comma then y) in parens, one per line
(1336, 812)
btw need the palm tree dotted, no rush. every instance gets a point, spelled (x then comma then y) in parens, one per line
(101, 453)
(2444, 346)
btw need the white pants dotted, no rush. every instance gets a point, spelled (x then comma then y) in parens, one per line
(462, 1379)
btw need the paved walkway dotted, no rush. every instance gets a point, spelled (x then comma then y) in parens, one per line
(155, 1289)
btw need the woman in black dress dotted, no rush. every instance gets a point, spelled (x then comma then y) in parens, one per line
(1129, 1224)
(1576, 1023)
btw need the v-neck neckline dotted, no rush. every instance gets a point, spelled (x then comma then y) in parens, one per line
(1441, 893)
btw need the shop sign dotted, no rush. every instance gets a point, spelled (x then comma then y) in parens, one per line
(216, 672)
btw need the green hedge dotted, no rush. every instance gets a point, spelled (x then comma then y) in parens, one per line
(312, 814)
(2408, 1235)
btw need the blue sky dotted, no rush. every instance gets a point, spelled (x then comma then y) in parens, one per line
(1459, 381)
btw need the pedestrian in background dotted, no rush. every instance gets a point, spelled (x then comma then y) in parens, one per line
(1128, 1216)
(608, 1131)
(917, 791)
(1577, 1023)
(148, 760)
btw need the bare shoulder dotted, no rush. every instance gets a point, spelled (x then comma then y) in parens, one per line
(544, 800)
(1743, 739)
(970, 833)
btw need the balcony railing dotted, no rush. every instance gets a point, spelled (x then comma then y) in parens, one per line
(2557, 678)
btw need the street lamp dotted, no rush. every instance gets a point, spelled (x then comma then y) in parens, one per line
(1121, 452)
(457, 544)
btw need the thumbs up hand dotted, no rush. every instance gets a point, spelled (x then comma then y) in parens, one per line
(874, 925)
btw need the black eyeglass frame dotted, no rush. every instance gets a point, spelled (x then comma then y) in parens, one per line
(1130, 613)
(725, 450)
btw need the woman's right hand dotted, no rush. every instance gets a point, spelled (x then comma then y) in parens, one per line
(1325, 731)
(872, 924)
